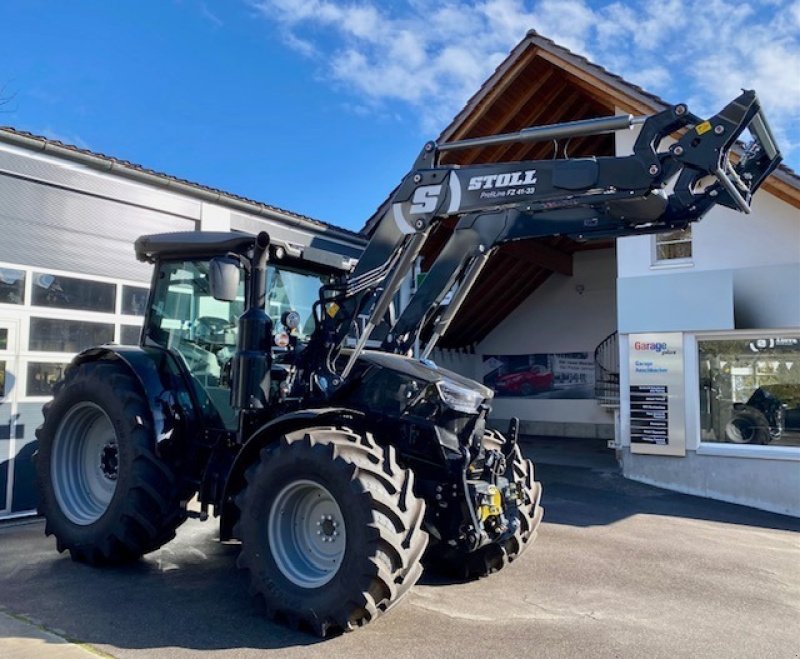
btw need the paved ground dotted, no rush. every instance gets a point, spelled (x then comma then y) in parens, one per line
(619, 570)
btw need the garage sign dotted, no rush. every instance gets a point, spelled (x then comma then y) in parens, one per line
(657, 396)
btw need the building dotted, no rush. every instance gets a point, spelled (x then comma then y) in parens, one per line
(554, 326)
(69, 278)
(655, 344)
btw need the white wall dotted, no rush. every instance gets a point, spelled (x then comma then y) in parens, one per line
(744, 274)
(558, 318)
(725, 239)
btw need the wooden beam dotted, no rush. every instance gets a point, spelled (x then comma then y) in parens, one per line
(573, 107)
(782, 190)
(499, 275)
(592, 83)
(515, 297)
(506, 121)
(505, 79)
(540, 254)
(546, 109)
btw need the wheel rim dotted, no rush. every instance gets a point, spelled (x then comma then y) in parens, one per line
(85, 463)
(306, 534)
(739, 432)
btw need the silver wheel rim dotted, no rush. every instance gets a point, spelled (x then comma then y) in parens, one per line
(734, 432)
(306, 534)
(85, 463)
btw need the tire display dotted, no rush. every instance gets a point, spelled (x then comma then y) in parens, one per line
(330, 528)
(748, 426)
(105, 495)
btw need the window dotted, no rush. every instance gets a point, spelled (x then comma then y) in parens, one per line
(3, 338)
(673, 245)
(72, 293)
(288, 290)
(750, 390)
(129, 335)
(186, 318)
(57, 335)
(12, 286)
(42, 376)
(2, 379)
(134, 300)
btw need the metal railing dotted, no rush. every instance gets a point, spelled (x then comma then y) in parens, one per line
(606, 371)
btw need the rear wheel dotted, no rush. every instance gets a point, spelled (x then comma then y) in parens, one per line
(528, 515)
(330, 529)
(105, 495)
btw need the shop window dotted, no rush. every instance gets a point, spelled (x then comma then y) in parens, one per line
(673, 245)
(72, 293)
(12, 286)
(129, 335)
(42, 376)
(57, 335)
(750, 390)
(134, 300)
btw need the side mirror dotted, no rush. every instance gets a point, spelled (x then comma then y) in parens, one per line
(223, 278)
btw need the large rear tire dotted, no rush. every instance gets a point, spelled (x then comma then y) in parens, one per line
(331, 530)
(748, 426)
(495, 556)
(105, 495)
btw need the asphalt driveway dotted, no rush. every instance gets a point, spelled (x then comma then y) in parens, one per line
(619, 570)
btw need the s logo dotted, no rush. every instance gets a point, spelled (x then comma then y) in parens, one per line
(425, 199)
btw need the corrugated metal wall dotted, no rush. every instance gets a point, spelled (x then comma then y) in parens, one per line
(67, 219)
(62, 216)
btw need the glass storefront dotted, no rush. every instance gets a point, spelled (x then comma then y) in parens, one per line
(750, 390)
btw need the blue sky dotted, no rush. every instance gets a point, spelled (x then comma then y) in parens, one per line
(320, 106)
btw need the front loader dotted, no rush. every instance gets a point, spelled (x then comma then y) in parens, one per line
(342, 470)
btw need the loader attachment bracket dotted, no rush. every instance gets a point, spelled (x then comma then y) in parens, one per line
(706, 148)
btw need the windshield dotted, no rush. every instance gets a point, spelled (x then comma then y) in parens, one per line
(291, 290)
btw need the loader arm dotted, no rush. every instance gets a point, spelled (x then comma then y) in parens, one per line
(582, 198)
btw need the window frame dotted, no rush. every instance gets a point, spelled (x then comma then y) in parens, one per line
(728, 449)
(657, 262)
(21, 314)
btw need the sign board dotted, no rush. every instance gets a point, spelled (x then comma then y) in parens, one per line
(655, 369)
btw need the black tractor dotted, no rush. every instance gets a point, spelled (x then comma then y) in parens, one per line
(279, 390)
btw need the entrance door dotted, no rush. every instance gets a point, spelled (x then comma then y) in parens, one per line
(8, 394)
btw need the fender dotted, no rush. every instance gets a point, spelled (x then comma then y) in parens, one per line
(265, 435)
(168, 396)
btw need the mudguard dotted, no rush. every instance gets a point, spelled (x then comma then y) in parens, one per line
(265, 435)
(168, 394)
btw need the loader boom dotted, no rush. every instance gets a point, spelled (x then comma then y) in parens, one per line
(498, 203)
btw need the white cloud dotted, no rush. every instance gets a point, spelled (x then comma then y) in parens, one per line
(432, 58)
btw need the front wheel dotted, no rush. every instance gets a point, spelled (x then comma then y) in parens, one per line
(330, 529)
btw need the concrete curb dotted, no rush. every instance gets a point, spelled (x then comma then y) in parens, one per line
(21, 639)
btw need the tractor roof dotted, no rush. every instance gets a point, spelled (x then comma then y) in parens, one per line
(191, 244)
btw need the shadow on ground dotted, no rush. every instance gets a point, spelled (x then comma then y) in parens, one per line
(190, 594)
(583, 486)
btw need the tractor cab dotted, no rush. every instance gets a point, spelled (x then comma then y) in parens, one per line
(201, 329)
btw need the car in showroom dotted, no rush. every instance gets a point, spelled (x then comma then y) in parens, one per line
(524, 381)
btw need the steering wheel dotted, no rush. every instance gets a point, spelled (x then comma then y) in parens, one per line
(210, 329)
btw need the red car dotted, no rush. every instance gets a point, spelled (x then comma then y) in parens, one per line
(524, 382)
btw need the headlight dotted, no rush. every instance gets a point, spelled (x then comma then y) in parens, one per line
(458, 398)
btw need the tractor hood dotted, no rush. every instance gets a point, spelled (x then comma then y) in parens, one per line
(425, 371)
